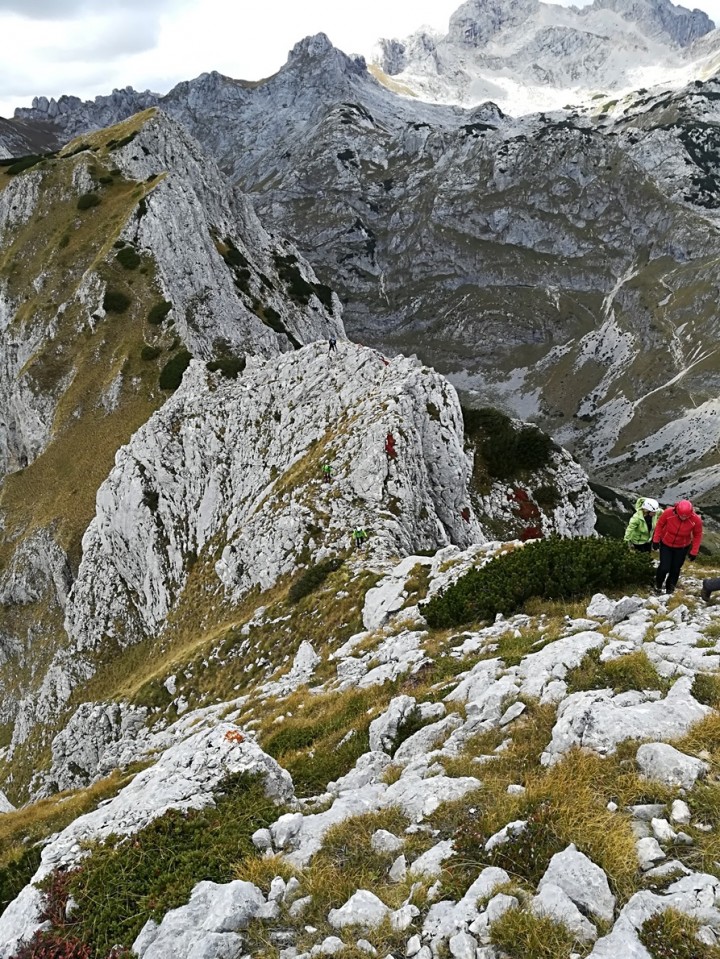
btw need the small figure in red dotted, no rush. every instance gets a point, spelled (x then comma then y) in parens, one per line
(465, 513)
(390, 447)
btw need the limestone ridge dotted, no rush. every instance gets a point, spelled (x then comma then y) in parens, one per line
(223, 485)
(186, 221)
(507, 288)
(193, 216)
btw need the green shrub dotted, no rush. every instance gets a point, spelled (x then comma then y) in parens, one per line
(549, 569)
(115, 301)
(23, 163)
(298, 287)
(172, 373)
(671, 935)
(158, 312)
(547, 496)
(313, 577)
(504, 449)
(128, 258)
(105, 179)
(125, 882)
(150, 352)
(88, 200)
(17, 874)
(229, 366)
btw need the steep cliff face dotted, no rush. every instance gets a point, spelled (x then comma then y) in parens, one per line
(121, 258)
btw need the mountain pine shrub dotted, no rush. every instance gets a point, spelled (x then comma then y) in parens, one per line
(115, 301)
(172, 373)
(87, 200)
(150, 352)
(158, 312)
(313, 577)
(504, 449)
(229, 366)
(549, 569)
(128, 258)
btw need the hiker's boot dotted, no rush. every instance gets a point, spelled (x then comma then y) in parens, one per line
(705, 592)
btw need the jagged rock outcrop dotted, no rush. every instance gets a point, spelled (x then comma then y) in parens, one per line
(184, 778)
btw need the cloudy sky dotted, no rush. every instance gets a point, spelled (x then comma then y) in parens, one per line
(89, 47)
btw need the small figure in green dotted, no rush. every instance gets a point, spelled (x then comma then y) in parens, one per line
(327, 472)
(359, 536)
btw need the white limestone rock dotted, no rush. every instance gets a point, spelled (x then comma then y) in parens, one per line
(384, 729)
(363, 909)
(599, 720)
(668, 765)
(429, 863)
(384, 841)
(5, 804)
(554, 902)
(184, 777)
(210, 921)
(582, 880)
(390, 594)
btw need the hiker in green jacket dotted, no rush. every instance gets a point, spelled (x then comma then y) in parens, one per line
(359, 536)
(642, 523)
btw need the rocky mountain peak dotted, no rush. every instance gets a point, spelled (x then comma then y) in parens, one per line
(316, 50)
(660, 18)
(477, 22)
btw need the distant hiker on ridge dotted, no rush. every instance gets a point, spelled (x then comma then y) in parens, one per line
(640, 529)
(332, 344)
(678, 532)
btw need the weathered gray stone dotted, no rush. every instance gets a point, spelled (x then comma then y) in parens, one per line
(582, 880)
(554, 902)
(363, 909)
(668, 765)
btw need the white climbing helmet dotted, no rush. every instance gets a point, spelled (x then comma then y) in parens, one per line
(650, 505)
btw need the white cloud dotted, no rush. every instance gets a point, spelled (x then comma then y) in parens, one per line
(89, 47)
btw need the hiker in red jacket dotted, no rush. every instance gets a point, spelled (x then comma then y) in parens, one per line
(678, 532)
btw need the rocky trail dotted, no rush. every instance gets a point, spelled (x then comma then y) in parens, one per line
(548, 781)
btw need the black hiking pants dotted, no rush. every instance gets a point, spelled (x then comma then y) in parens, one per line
(668, 571)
